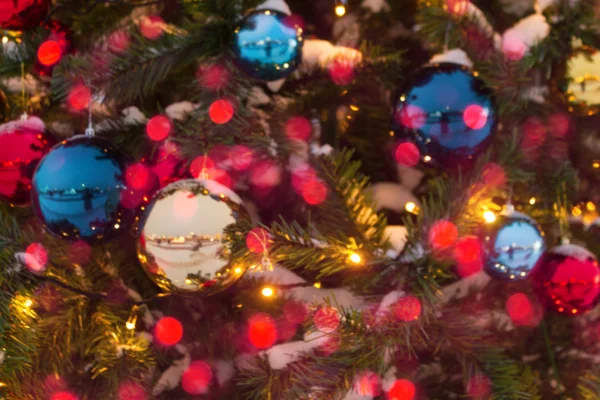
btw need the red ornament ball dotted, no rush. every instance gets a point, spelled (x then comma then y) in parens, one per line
(327, 319)
(240, 157)
(131, 391)
(158, 128)
(298, 128)
(221, 111)
(152, 27)
(567, 280)
(49, 53)
(522, 311)
(79, 97)
(442, 235)
(262, 331)
(258, 240)
(314, 191)
(479, 387)
(36, 257)
(168, 331)
(119, 41)
(408, 309)
(468, 254)
(196, 379)
(23, 144)
(407, 154)
(20, 15)
(402, 389)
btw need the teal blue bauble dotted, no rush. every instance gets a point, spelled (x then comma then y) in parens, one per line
(268, 45)
(77, 190)
(448, 112)
(514, 244)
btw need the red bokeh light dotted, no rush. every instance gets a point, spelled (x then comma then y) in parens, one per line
(152, 27)
(79, 97)
(241, 157)
(468, 255)
(138, 177)
(479, 387)
(513, 48)
(533, 138)
(262, 331)
(200, 165)
(327, 319)
(258, 240)
(411, 116)
(367, 384)
(407, 154)
(221, 111)
(131, 391)
(522, 311)
(314, 191)
(80, 253)
(119, 41)
(559, 125)
(64, 395)
(168, 331)
(298, 128)
(341, 70)
(475, 116)
(49, 53)
(295, 311)
(158, 128)
(493, 176)
(213, 76)
(197, 378)
(301, 175)
(408, 309)
(457, 7)
(285, 329)
(402, 389)
(442, 235)
(265, 174)
(36, 257)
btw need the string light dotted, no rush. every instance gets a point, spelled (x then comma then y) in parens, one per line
(355, 258)
(596, 164)
(427, 158)
(411, 207)
(340, 8)
(590, 206)
(317, 285)
(532, 201)
(489, 217)
(268, 291)
(5, 39)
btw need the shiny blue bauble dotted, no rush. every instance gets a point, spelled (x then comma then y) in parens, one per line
(513, 247)
(77, 189)
(268, 45)
(447, 112)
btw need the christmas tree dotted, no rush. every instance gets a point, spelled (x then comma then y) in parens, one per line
(333, 199)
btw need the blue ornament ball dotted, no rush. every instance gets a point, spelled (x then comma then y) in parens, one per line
(447, 112)
(268, 45)
(513, 247)
(77, 190)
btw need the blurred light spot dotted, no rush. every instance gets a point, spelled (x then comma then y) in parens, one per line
(267, 291)
(213, 76)
(341, 70)
(138, 176)
(4, 39)
(340, 10)
(355, 258)
(158, 128)
(407, 154)
(317, 285)
(479, 387)
(367, 384)
(402, 389)
(241, 157)
(411, 116)
(197, 378)
(49, 53)
(493, 175)
(200, 166)
(411, 207)
(521, 310)
(119, 41)
(427, 159)
(532, 201)
(168, 331)
(152, 27)
(131, 391)
(262, 331)
(442, 235)
(596, 164)
(221, 111)
(64, 395)
(36, 257)
(590, 206)
(79, 97)
(314, 192)
(489, 217)
(298, 128)
(475, 116)
(265, 174)
(468, 255)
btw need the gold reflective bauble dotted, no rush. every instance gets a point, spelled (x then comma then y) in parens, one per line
(584, 78)
(185, 237)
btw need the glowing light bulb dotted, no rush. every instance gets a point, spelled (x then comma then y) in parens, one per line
(267, 291)
(340, 10)
(28, 303)
(130, 325)
(5, 39)
(317, 285)
(590, 206)
(532, 200)
(596, 164)
(411, 207)
(489, 217)
(355, 258)
(427, 158)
